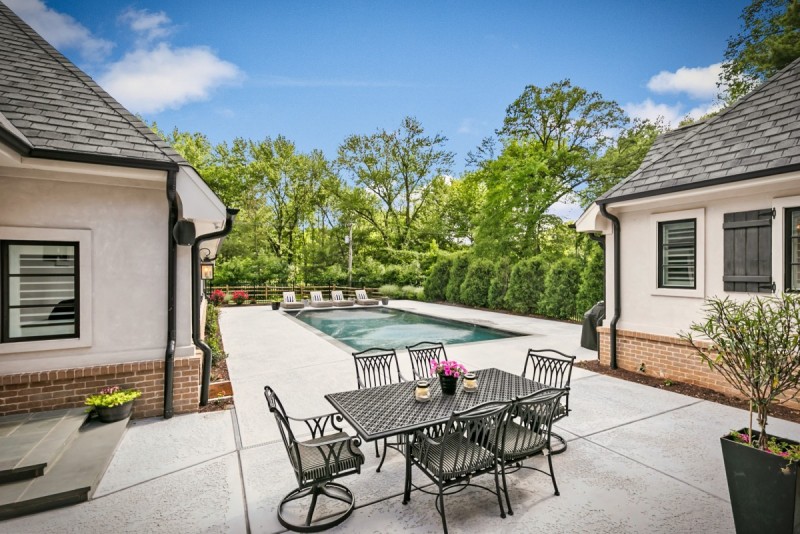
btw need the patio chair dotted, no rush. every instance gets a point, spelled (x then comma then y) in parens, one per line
(379, 367)
(421, 355)
(364, 300)
(318, 302)
(328, 455)
(290, 302)
(338, 299)
(527, 433)
(465, 449)
(554, 369)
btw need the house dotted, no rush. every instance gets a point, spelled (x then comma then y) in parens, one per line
(102, 228)
(713, 210)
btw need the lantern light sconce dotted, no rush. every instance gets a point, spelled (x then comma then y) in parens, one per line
(207, 271)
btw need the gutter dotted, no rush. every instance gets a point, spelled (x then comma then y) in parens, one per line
(617, 291)
(205, 349)
(172, 253)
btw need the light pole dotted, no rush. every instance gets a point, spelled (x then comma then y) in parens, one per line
(349, 240)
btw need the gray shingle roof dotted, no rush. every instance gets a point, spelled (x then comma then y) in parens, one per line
(758, 136)
(56, 107)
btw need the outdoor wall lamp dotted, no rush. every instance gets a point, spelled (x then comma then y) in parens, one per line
(206, 265)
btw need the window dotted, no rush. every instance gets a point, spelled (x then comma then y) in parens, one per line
(677, 246)
(748, 251)
(40, 290)
(792, 252)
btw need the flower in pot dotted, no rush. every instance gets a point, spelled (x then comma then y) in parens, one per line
(448, 371)
(755, 346)
(112, 403)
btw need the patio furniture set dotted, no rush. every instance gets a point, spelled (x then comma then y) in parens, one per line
(452, 439)
(316, 300)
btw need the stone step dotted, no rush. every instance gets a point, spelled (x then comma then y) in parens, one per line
(30, 443)
(72, 479)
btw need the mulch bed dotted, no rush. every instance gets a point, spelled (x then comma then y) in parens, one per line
(781, 412)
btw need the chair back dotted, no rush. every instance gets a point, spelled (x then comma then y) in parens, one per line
(549, 367)
(421, 356)
(527, 431)
(287, 435)
(316, 296)
(376, 367)
(361, 294)
(336, 295)
(480, 425)
(288, 296)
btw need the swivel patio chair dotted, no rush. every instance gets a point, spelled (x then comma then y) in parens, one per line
(421, 355)
(379, 367)
(328, 455)
(527, 433)
(338, 299)
(290, 302)
(465, 449)
(318, 302)
(364, 300)
(554, 369)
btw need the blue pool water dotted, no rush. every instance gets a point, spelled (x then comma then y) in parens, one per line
(364, 328)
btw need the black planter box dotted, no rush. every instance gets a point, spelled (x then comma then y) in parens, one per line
(765, 493)
(115, 413)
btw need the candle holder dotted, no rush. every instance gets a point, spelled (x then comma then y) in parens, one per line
(422, 392)
(470, 383)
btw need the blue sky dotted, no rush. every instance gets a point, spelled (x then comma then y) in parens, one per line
(319, 71)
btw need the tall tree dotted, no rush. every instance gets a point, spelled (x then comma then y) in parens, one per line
(768, 41)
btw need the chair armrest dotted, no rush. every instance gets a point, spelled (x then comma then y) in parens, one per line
(424, 443)
(319, 425)
(331, 449)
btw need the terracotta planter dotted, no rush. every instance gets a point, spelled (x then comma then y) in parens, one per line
(220, 389)
(115, 413)
(448, 384)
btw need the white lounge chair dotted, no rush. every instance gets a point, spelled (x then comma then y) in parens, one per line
(364, 300)
(290, 302)
(339, 301)
(318, 302)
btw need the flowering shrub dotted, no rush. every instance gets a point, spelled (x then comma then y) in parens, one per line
(240, 296)
(112, 396)
(447, 368)
(217, 297)
(779, 448)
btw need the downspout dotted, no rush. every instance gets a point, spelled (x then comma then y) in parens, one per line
(205, 349)
(615, 226)
(169, 358)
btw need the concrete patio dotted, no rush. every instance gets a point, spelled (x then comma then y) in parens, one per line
(639, 459)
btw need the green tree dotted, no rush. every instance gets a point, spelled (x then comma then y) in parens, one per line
(475, 288)
(560, 289)
(458, 271)
(436, 283)
(592, 286)
(768, 41)
(499, 285)
(525, 285)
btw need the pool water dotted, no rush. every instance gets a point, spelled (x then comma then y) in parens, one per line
(365, 328)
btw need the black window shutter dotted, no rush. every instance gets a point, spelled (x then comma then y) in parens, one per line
(748, 251)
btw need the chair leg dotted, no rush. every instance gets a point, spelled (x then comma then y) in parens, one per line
(552, 473)
(311, 508)
(440, 499)
(557, 443)
(497, 490)
(329, 489)
(505, 490)
(407, 492)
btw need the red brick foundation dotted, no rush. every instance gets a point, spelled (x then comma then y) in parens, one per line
(67, 388)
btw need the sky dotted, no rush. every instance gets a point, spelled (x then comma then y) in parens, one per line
(316, 72)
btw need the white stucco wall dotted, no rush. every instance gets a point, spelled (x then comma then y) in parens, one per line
(645, 307)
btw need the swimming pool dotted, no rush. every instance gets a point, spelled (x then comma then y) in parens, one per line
(364, 328)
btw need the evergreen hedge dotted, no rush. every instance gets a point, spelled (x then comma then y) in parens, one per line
(458, 271)
(499, 284)
(559, 298)
(475, 289)
(525, 286)
(436, 284)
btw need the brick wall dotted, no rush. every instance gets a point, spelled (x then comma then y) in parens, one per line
(67, 388)
(664, 357)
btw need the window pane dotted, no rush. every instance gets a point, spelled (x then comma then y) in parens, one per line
(677, 242)
(793, 253)
(42, 283)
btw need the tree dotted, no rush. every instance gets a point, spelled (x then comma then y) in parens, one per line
(592, 286)
(768, 41)
(560, 289)
(475, 289)
(458, 271)
(526, 285)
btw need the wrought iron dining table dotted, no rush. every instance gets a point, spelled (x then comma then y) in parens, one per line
(391, 410)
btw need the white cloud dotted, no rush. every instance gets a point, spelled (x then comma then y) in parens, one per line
(672, 114)
(568, 211)
(149, 81)
(697, 82)
(60, 30)
(150, 26)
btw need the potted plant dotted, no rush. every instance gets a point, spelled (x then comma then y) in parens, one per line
(112, 403)
(755, 346)
(276, 303)
(448, 371)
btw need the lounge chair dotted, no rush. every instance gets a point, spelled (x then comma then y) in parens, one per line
(290, 303)
(339, 301)
(318, 302)
(364, 300)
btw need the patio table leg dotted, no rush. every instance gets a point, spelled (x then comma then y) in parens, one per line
(407, 492)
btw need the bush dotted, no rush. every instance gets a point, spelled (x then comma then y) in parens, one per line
(499, 284)
(213, 338)
(560, 289)
(391, 291)
(404, 274)
(591, 289)
(525, 285)
(368, 272)
(458, 271)
(475, 289)
(239, 297)
(217, 297)
(248, 270)
(436, 284)
(412, 292)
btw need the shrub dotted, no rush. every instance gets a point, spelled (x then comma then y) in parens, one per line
(560, 289)
(368, 272)
(405, 273)
(475, 289)
(458, 271)
(411, 292)
(436, 283)
(217, 297)
(239, 297)
(499, 284)
(525, 285)
(249, 270)
(591, 289)
(213, 338)
(390, 290)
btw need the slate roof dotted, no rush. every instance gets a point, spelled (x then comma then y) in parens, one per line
(758, 136)
(50, 108)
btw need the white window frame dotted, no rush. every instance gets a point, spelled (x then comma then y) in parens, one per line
(699, 216)
(84, 239)
(779, 239)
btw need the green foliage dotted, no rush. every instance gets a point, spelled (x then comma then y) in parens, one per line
(499, 285)
(592, 284)
(458, 271)
(526, 284)
(436, 284)
(412, 292)
(112, 396)
(560, 289)
(755, 346)
(390, 290)
(250, 270)
(213, 337)
(475, 288)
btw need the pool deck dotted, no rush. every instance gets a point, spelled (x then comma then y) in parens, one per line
(639, 460)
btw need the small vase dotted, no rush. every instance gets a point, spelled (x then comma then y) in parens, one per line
(114, 413)
(448, 384)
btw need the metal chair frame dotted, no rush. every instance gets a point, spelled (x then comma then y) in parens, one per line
(339, 452)
(553, 369)
(421, 355)
(465, 447)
